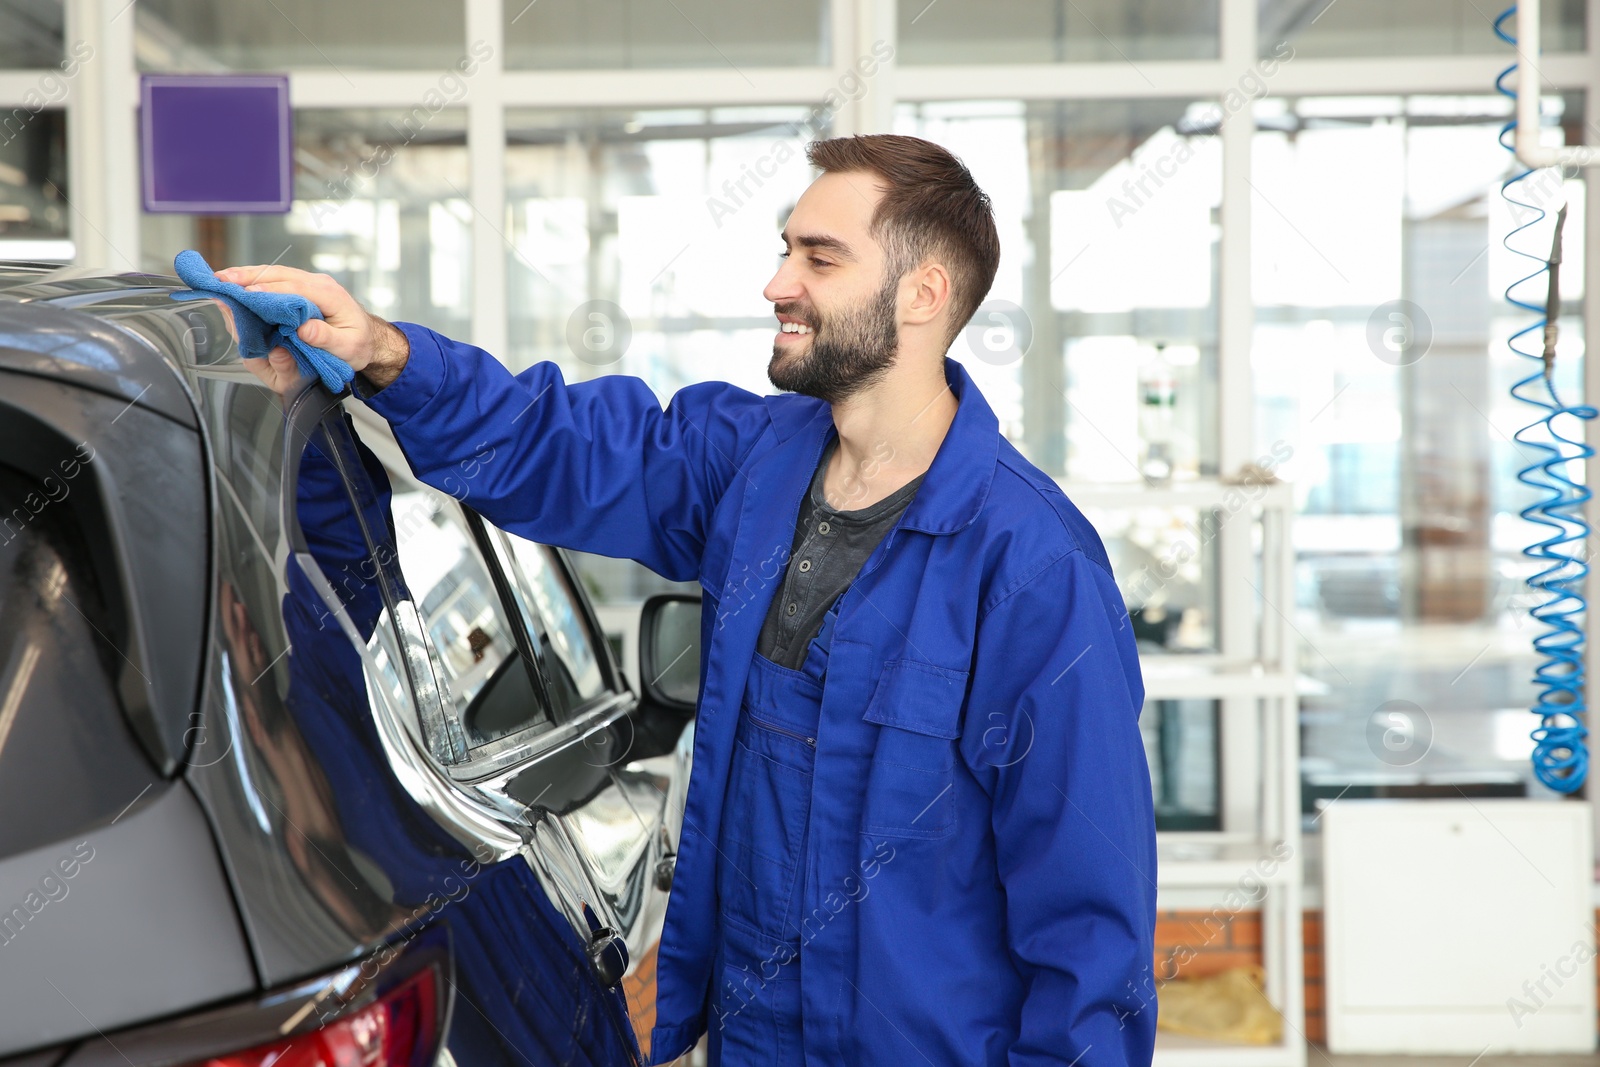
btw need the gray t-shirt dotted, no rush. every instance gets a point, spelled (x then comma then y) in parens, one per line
(828, 552)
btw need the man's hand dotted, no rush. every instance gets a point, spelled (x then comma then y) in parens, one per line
(347, 330)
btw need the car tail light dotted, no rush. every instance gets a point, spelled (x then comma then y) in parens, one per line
(399, 1029)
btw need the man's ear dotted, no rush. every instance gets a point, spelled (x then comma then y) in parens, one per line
(927, 293)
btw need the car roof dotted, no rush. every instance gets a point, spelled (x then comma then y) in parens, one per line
(112, 333)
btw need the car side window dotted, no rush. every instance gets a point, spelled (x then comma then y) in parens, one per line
(444, 596)
(484, 675)
(552, 611)
(335, 510)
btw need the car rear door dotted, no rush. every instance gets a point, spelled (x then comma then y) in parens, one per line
(566, 755)
(451, 679)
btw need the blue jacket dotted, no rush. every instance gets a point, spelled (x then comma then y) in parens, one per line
(981, 883)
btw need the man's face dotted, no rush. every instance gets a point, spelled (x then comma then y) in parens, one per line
(837, 309)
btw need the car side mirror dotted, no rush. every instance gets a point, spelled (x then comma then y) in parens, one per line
(669, 652)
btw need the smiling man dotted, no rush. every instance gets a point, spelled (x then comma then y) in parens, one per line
(919, 825)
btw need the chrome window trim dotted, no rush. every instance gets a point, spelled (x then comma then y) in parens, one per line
(483, 823)
(501, 759)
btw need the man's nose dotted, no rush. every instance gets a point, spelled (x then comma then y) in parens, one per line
(784, 286)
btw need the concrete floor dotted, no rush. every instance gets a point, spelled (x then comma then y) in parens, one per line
(1316, 1057)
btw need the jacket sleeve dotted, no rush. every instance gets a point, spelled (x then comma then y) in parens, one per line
(1052, 734)
(596, 465)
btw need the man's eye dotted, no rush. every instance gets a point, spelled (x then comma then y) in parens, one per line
(815, 262)
(784, 254)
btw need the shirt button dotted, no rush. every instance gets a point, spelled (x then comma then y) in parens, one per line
(790, 610)
(805, 565)
(823, 528)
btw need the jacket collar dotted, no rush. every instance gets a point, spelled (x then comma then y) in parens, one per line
(957, 483)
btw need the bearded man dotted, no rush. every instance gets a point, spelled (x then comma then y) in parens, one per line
(919, 825)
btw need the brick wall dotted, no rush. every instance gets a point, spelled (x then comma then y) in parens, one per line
(1195, 944)
(1316, 1021)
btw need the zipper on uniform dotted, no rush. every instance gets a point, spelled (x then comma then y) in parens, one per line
(774, 727)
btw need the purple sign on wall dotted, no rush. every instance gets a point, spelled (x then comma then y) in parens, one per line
(216, 143)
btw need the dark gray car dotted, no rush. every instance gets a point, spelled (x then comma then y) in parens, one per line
(300, 762)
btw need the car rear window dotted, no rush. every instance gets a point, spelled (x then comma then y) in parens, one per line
(67, 756)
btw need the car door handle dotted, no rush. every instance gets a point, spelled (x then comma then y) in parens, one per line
(664, 868)
(608, 955)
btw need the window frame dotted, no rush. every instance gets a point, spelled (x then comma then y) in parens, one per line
(524, 748)
(490, 757)
(612, 680)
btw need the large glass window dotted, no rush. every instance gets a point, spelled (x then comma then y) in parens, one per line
(638, 238)
(1380, 356)
(566, 34)
(1108, 218)
(381, 204)
(1409, 27)
(31, 33)
(207, 35)
(34, 207)
(1182, 747)
(1055, 31)
(1164, 559)
(641, 240)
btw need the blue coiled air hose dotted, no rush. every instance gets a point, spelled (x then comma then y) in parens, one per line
(1560, 755)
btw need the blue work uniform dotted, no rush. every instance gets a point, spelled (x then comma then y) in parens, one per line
(978, 876)
(757, 1013)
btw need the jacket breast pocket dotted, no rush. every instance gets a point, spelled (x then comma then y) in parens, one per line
(911, 780)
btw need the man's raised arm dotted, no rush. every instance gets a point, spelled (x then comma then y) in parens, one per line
(595, 465)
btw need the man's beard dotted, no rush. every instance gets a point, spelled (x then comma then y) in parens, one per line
(848, 352)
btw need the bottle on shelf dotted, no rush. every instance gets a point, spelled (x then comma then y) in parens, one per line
(1158, 394)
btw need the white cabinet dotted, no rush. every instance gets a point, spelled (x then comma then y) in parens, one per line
(1459, 926)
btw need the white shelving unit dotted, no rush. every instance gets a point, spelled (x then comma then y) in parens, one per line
(1257, 856)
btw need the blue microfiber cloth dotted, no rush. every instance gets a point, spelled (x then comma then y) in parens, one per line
(264, 320)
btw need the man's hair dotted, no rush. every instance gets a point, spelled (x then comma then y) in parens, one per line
(931, 209)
